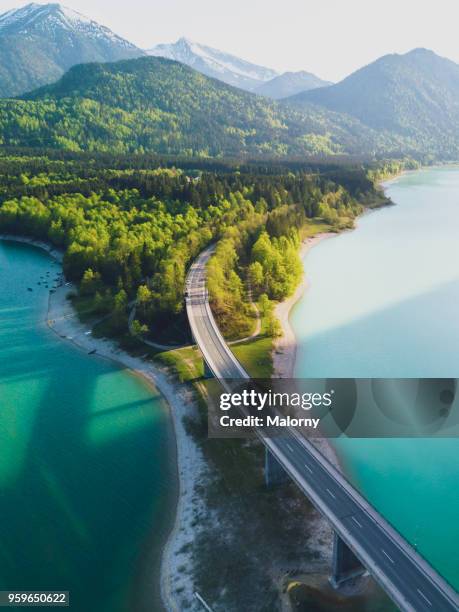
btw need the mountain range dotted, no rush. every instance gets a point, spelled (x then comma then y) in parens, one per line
(39, 42)
(155, 104)
(396, 106)
(237, 72)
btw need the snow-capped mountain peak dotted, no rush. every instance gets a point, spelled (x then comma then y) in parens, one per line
(26, 16)
(45, 18)
(53, 38)
(215, 63)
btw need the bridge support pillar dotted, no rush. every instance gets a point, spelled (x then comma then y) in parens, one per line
(207, 370)
(346, 566)
(274, 472)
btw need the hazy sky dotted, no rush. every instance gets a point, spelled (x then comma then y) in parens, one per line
(328, 37)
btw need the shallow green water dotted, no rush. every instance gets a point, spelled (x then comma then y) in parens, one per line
(383, 302)
(85, 475)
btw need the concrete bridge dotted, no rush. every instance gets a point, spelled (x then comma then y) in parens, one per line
(364, 540)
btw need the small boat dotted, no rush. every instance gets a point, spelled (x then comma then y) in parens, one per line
(92, 352)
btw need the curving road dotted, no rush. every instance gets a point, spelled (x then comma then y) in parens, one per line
(407, 578)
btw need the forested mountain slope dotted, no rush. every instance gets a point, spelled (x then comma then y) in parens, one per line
(160, 105)
(413, 96)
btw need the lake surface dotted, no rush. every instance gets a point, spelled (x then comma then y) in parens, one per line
(85, 470)
(383, 302)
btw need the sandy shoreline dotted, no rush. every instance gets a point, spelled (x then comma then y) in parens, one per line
(63, 320)
(284, 354)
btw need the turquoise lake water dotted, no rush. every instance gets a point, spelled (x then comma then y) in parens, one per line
(85, 467)
(383, 302)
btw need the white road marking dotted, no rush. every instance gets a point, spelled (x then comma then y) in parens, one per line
(356, 521)
(290, 448)
(384, 553)
(328, 491)
(424, 597)
(307, 467)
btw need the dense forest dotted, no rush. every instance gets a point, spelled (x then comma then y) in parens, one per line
(129, 232)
